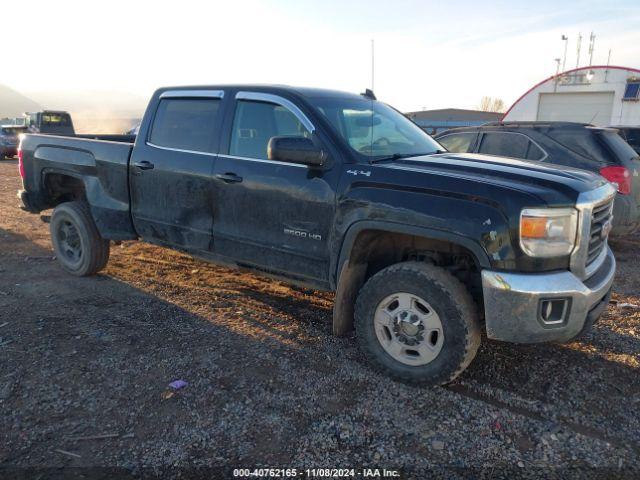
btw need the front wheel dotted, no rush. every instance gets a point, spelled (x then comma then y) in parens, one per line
(79, 248)
(417, 323)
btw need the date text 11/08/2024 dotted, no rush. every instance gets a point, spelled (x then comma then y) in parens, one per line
(315, 473)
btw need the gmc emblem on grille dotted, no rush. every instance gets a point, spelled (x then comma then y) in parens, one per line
(606, 228)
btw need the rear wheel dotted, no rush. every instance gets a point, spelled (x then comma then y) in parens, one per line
(417, 323)
(79, 248)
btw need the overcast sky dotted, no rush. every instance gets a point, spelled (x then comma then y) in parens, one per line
(427, 54)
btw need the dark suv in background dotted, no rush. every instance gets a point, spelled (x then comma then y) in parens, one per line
(575, 145)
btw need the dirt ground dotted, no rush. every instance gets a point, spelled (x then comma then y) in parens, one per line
(85, 366)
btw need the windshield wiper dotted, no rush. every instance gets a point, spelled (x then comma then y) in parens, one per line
(398, 156)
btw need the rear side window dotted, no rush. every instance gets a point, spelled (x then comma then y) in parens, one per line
(632, 136)
(457, 142)
(256, 122)
(585, 142)
(619, 146)
(504, 144)
(186, 124)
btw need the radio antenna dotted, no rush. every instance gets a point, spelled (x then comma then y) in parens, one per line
(372, 65)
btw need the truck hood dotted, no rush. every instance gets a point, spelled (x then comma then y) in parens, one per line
(550, 183)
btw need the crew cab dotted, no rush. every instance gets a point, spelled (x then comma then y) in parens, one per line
(341, 192)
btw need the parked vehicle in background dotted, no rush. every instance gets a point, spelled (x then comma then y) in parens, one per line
(133, 131)
(343, 193)
(9, 140)
(52, 122)
(631, 135)
(566, 144)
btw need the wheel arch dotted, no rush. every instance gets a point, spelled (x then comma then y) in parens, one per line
(112, 217)
(352, 264)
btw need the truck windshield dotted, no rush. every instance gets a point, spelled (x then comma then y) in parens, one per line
(373, 129)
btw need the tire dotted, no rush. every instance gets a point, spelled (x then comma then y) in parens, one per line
(79, 248)
(433, 295)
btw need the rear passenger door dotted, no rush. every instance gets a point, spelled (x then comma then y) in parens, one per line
(510, 144)
(270, 214)
(171, 166)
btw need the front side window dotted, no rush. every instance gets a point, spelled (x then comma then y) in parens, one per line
(458, 142)
(373, 129)
(185, 124)
(256, 122)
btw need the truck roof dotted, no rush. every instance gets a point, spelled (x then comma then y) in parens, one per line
(273, 88)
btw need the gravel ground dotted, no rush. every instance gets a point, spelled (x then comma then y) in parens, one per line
(85, 367)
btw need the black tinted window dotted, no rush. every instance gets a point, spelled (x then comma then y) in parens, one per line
(457, 142)
(256, 122)
(512, 145)
(632, 136)
(534, 152)
(584, 142)
(185, 123)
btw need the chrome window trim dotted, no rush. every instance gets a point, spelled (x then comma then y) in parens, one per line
(263, 160)
(585, 204)
(278, 100)
(171, 149)
(546, 155)
(192, 94)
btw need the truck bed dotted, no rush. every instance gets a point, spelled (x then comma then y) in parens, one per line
(94, 166)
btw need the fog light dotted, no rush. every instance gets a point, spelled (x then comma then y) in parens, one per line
(554, 311)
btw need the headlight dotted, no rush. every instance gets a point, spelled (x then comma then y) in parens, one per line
(548, 232)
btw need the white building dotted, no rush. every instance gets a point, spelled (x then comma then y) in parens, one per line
(601, 95)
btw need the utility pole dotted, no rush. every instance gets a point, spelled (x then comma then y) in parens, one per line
(592, 44)
(565, 39)
(579, 45)
(555, 83)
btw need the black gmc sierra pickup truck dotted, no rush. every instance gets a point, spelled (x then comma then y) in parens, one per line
(341, 192)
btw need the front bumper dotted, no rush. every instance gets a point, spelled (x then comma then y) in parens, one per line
(512, 303)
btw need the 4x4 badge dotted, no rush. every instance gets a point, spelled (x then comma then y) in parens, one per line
(360, 172)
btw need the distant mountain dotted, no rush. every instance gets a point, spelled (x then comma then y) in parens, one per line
(14, 104)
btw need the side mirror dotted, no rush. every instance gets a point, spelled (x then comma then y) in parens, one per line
(295, 149)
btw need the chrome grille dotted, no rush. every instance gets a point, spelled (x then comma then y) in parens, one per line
(600, 216)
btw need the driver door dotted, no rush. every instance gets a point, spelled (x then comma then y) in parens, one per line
(273, 215)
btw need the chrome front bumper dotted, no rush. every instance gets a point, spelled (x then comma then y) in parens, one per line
(512, 303)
